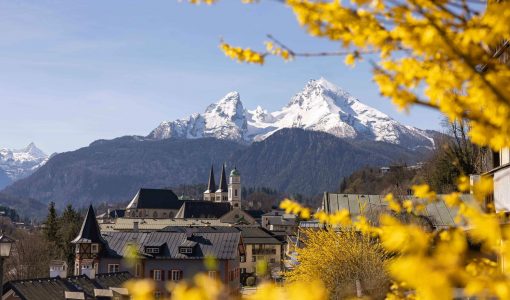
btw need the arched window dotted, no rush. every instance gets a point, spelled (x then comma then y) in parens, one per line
(155, 215)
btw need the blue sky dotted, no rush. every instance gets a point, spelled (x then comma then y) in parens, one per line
(72, 72)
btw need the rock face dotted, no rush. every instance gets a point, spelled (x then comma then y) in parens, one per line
(320, 106)
(19, 163)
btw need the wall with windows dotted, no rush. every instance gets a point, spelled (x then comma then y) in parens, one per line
(151, 213)
(164, 270)
(270, 253)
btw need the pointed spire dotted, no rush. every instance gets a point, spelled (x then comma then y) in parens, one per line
(211, 187)
(90, 232)
(223, 181)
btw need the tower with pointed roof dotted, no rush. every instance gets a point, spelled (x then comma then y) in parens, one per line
(222, 191)
(89, 245)
(210, 193)
(234, 189)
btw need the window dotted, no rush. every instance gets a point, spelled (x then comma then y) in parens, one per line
(138, 270)
(253, 258)
(157, 275)
(113, 268)
(243, 270)
(96, 267)
(155, 215)
(213, 274)
(175, 275)
(272, 260)
(235, 192)
(243, 258)
(152, 250)
(185, 250)
(95, 248)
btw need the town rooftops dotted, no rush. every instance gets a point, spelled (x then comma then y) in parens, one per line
(76, 287)
(219, 242)
(203, 209)
(155, 199)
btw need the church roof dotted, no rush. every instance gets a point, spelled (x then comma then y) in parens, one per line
(211, 186)
(203, 209)
(156, 199)
(90, 232)
(223, 181)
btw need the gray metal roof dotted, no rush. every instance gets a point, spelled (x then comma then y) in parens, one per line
(438, 212)
(219, 242)
(55, 288)
(258, 235)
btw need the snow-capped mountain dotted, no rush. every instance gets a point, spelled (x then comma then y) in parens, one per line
(19, 163)
(225, 119)
(320, 106)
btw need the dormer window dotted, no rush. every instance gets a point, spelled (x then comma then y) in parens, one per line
(185, 250)
(152, 250)
(95, 248)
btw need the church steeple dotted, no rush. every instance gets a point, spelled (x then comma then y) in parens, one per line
(221, 193)
(211, 187)
(223, 181)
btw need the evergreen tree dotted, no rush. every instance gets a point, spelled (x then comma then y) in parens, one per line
(69, 227)
(51, 224)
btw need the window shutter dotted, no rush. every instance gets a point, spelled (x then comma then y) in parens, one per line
(152, 274)
(162, 275)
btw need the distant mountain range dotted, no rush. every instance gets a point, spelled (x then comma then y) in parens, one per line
(320, 106)
(307, 147)
(19, 163)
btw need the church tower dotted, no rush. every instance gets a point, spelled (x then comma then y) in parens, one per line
(234, 189)
(221, 193)
(209, 194)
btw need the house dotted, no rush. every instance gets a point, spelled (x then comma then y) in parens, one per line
(169, 254)
(260, 246)
(102, 286)
(278, 220)
(500, 174)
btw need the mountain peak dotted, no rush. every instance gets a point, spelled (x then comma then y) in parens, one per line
(319, 106)
(33, 151)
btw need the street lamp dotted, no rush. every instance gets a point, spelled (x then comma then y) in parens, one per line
(5, 250)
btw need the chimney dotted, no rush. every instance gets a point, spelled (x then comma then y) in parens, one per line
(58, 268)
(135, 226)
